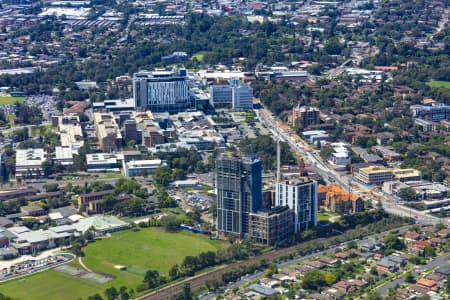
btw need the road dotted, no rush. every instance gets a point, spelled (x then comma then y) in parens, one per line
(199, 281)
(436, 262)
(294, 261)
(300, 147)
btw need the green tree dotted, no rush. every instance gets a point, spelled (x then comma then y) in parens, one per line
(314, 280)
(174, 272)
(170, 223)
(407, 194)
(373, 295)
(409, 278)
(391, 241)
(111, 293)
(162, 175)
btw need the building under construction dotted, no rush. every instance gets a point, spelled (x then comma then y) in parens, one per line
(271, 226)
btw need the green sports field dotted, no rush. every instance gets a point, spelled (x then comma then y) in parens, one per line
(139, 251)
(437, 83)
(6, 100)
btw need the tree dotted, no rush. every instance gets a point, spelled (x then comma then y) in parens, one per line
(314, 280)
(373, 295)
(428, 252)
(330, 278)
(153, 279)
(447, 285)
(272, 270)
(170, 223)
(51, 187)
(391, 241)
(326, 151)
(47, 168)
(111, 293)
(162, 175)
(407, 194)
(95, 297)
(174, 272)
(409, 278)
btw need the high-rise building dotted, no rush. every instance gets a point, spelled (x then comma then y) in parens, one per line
(301, 197)
(108, 133)
(161, 91)
(239, 192)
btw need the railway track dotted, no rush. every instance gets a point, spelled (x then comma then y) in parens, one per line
(199, 281)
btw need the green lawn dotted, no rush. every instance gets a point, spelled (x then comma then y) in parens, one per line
(199, 55)
(325, 216)
(6, 100)
(437, 83)
(50, 285)
(139, 251)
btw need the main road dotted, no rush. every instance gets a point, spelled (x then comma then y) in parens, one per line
(301, 148)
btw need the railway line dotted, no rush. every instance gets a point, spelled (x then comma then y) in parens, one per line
(199, 281)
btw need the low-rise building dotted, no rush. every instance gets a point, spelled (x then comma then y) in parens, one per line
(70, 131)
(29, 162)
(108, 133)
(374, 174)
(63, 155)
(403, 175)
(84, 199)
(305, 116)
(104, 162)
(387, 153)
(141, 167)
(340, 201)
(32, 211)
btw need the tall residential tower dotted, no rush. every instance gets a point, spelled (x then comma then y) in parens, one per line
(301, 197)
(239, 192)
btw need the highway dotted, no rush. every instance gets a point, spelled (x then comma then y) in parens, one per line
(302, 149)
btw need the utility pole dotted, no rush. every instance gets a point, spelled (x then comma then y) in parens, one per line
(278, 159)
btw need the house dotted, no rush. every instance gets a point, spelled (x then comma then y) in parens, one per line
(417, 247)
(400, 261)
(428, 284)
(329, 262)
(443, 270)
(369, 246)
(314, 264)
(342, 255)
(412, 236)
(444, 233)
(385, 266)
(262, 290)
